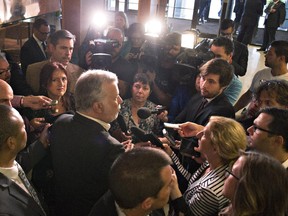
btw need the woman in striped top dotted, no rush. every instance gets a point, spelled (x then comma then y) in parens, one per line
(219, 144)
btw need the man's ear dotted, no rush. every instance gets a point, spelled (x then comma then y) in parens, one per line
(11, 143)
(147, 203)
(97, 107)
(279, 141)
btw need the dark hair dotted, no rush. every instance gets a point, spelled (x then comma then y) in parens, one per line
(279, 123)
(136, 27)
(262, 188)
(8, 127)
(226, 23)
(219, 67)
(277, 89)
(173, 38)
(143, 78)
(281, 48)
(46, 78)
(136, 175)
(39, 22)
(61, 34)
(224, 42)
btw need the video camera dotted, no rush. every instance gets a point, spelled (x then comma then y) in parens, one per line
(102, 50)
(197, 56)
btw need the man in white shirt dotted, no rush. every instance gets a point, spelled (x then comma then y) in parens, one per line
(276, 59)
(17, 196)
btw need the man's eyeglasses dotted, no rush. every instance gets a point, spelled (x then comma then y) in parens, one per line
(5, 70)
(44, 33)
(229, 172)
(255, 127)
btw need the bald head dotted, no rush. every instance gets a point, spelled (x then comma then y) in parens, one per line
(6, 93)
(115, 34)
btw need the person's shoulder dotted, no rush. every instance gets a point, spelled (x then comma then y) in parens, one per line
(37, 64)
(264, 71)
(73, 67)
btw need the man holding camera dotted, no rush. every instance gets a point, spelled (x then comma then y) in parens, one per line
(164, 76)
(118, 65)
(61, 46)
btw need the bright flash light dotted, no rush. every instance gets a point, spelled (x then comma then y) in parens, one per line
(153, 28)
(99, 20)
(189, 39)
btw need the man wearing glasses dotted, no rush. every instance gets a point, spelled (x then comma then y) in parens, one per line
(34, 49)
(240, 52)
(268, 134)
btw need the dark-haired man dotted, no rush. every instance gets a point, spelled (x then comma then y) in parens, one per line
(17, 196)
(222, 47)
(140, 182)
(34, 49)
(240, 51)
(268, 134)
(215, 75)
(276, 60)
(61, 45)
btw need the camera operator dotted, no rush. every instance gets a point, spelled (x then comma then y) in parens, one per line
(164, 81)
(121, 67)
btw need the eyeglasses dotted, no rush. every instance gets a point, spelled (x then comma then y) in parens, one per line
(255, 127)
(229, 172)
(44, 33)
(5, 70)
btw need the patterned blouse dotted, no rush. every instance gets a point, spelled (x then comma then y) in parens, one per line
(150, 125)
(204, 192)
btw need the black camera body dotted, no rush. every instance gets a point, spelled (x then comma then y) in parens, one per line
(103, 45)
(197, 56)
(102, 50)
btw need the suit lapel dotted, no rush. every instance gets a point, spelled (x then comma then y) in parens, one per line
(19, 194)
(38, 49)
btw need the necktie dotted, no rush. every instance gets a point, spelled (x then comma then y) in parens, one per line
(29, 186)
(44, 47)
(203, 103)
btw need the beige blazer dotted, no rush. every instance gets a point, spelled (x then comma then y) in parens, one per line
(33, 75)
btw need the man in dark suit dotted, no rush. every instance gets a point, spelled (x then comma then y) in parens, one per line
(215, 75)
(253, 9)
(61, 46)
(275, 16)
(240, 52)
(17, 196)
(81, 147)
(34, 49)
(140, 181)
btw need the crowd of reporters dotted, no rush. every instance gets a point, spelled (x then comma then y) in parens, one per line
(84, 119)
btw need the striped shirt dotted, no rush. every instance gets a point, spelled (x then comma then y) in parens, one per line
(204, 192)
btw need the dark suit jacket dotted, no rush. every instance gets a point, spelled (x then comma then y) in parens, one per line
(253, 9)
(82, 154)
(219, 106)
(106, 207)
(34, 70)
(15, 201)
(277, 18)
(30, 53)
(240, 58)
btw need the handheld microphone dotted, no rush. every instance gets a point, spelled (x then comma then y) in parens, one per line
(145, 112)
(122, 123)
(140, 134)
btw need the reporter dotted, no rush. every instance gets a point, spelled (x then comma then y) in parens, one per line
(256, 185)
(140, 91)
(219, 143)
